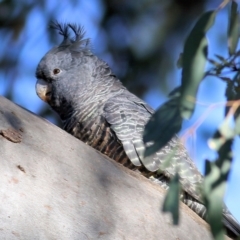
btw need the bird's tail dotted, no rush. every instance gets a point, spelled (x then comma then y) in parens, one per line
(230, 223)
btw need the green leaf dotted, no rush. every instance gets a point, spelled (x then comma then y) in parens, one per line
(229, 94)
(224, 133)
(216, 174)
(214, 206)
(171, 201)
(194, 60)
(233, 28)
(232, 92)
(162, 126)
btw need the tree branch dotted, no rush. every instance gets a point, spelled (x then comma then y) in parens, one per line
(53, 186)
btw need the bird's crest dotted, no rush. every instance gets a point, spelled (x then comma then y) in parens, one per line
(76, 43)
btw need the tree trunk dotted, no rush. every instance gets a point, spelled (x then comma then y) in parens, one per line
(53, 186)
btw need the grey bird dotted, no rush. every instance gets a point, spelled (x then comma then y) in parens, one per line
(96, 108)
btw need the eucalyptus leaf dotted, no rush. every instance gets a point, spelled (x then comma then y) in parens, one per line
(230, 94)
(224, 133)
(213, 197)
(171, 201)
(163, 125)
(194, 60)
(233, 28)
(216, 174)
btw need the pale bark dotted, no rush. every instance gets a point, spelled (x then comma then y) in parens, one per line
(53, 186)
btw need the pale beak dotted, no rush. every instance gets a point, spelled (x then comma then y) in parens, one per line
(43, 90)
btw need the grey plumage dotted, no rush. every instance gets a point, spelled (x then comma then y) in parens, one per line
(96, 108)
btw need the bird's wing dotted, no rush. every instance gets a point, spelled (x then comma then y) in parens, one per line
(127, 119)
(128, 116)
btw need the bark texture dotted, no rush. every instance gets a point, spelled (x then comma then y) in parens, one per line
(53, 186)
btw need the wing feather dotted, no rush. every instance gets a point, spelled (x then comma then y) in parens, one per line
(128, 116)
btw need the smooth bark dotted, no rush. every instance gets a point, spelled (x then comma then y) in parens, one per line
(53, 186)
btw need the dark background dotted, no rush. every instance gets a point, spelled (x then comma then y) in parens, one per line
(141, 40)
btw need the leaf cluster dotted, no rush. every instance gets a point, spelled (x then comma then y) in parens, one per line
(167, 120)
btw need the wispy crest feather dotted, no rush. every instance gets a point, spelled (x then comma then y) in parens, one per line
(76, 43)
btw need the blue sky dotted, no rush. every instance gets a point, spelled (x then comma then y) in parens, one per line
(89, 14)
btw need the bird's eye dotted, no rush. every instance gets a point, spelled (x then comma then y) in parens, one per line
(56, 71)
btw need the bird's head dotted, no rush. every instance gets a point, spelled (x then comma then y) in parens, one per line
(70, 77)
(65, 69)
